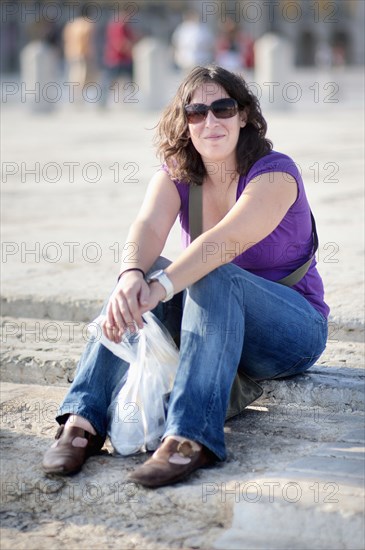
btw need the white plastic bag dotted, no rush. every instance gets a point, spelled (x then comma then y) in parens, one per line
(138, 412)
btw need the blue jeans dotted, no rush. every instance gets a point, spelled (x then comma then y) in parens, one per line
(229, 320)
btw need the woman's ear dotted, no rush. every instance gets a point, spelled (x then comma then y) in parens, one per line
(243, 118)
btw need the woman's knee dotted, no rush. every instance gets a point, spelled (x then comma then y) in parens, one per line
(160, 263)
(220, 279)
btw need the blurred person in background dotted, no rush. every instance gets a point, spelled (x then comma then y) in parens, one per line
(193, 42)
(234, 48)
(79, 52)
(120, 39)
(323, 55)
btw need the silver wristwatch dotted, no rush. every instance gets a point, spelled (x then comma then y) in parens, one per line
(163, 279)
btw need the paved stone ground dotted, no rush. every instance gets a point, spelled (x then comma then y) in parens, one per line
(293, 479)
(295, 471)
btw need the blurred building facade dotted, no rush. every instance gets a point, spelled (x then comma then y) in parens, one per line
(337, 25)
(312, 26)
(321, 31)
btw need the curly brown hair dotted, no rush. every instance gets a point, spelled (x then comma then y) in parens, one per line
(172, 138)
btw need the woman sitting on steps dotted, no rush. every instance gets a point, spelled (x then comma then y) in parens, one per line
(222, 293)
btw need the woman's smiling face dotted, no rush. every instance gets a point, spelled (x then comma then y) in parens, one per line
(215, 138)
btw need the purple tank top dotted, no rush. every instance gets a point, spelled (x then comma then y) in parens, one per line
(288, 247)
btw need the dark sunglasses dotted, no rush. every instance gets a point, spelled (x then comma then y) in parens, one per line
(222, 108)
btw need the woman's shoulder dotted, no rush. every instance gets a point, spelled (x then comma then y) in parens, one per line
(274, 161)
(182, 187)
(165, 168)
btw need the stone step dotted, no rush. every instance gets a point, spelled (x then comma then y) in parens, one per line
(84, 310)
(260, 497)
(41, 351)
(34, 307)
(312, 491)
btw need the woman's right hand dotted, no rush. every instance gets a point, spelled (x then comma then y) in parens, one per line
(123, 310)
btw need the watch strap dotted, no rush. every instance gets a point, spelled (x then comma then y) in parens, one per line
(164, 280)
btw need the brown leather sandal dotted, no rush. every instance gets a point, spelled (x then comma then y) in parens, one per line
(172, 462)
(64, 457)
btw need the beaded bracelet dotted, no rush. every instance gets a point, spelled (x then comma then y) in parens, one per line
(132, 269)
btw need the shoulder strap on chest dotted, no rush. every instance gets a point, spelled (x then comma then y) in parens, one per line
(195, 211)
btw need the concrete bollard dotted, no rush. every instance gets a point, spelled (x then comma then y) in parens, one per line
(38, 66)
(274, 61)
(151, 72)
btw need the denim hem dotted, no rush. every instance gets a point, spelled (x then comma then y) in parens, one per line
(182, 433)
(86, 412)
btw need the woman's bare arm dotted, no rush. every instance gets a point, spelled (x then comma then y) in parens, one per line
(145, 241)
(259, 210)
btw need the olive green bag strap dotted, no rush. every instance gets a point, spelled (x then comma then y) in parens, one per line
(294, 277)
(244, 390)
(195, 211)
